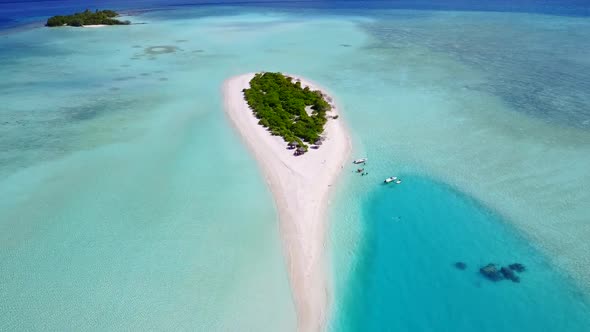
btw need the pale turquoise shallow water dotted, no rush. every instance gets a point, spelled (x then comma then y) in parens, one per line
(129, 203)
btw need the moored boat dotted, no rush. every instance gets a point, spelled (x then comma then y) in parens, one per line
(391, 179)
(360, 161)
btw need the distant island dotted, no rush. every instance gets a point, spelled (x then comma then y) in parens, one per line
(286, 109)
(87, 17)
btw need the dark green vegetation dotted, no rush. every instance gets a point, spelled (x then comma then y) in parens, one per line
(106, 17)
(281, 105)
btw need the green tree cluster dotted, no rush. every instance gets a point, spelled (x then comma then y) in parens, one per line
(280, 105)
(86, 17)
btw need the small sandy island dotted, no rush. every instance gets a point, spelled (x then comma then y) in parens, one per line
(301, 186)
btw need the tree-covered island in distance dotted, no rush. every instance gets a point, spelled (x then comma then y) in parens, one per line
(286, 109)
(87, 17)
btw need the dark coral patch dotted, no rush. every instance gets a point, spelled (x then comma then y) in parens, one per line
(460, 265)
(491, 272)
(123, 78)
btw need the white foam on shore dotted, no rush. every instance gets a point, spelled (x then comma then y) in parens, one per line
(301, 187)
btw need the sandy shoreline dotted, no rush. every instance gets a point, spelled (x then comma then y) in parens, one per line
(301, 187)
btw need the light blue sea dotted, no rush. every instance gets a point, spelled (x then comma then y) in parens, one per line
(127, 201)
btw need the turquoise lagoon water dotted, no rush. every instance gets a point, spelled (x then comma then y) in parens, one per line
(406, 279)
(129, 203)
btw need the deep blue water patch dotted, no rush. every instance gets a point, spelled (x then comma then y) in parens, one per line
(405, 277)
(15, 13)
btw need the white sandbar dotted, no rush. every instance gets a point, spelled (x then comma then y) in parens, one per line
(301, 187)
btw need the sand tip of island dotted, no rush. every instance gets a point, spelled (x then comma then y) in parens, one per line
(301, 186)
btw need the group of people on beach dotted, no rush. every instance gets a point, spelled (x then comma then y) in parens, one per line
(362, 171)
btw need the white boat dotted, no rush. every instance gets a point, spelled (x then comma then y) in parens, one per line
(360, 161)
(398, 181)
(391, 179)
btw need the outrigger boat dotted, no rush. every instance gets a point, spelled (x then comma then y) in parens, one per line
(392, 179)
(360, 161)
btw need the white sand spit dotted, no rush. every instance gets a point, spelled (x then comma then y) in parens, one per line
(301, 187)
